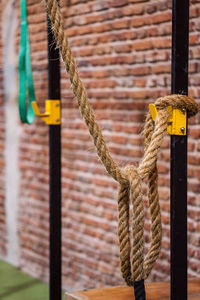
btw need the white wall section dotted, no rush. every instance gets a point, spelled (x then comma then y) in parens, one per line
(12, 130)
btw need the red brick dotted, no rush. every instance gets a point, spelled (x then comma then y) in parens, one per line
(161, 68)
(161, 43)
(142, 45)
(121, 24)
(161, 18)
(133, 10)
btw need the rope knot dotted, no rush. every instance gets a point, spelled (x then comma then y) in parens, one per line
(182, 102)
(130, 172)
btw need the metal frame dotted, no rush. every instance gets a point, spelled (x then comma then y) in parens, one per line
(178, 185)
(55, 276)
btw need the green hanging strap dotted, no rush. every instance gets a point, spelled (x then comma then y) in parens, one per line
(26, 87)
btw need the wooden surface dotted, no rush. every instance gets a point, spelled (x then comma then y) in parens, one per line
(154, 291)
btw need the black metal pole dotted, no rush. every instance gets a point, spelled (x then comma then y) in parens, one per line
(139, 290)
(180, 35)
(55, 289)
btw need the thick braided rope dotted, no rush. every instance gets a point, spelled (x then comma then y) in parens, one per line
(140, 267)
(129, 177)
(80, 92)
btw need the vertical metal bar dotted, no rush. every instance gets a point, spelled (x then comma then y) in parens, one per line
(55, 289)
(139, 290)
(180, 36)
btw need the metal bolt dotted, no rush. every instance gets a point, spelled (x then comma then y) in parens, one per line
(57, 105)
(57, 120)
(183, 110)
(182, 129)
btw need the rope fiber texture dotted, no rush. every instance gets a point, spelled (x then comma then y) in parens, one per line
(130, 177)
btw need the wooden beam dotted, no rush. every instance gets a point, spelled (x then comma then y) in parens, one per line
(154, 291)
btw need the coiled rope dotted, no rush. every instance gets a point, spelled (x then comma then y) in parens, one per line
(129, 177)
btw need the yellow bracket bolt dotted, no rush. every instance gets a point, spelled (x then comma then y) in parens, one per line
(177, 122)
(52, 115)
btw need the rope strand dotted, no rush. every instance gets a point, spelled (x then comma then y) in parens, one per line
(130, 177)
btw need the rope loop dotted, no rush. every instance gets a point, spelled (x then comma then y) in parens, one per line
(134, 266)
(154, 133)
(180, 102)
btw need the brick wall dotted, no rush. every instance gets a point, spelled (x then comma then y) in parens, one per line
(33, 157)
(123, 51)
(2, 147)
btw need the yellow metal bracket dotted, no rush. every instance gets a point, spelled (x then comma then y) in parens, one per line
(52, 115)
(177, 123)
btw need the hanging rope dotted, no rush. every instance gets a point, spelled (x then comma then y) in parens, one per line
(129, 177)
